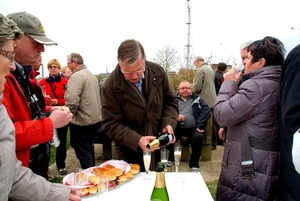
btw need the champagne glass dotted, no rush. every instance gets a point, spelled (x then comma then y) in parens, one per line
(79, 178)
(102, 188)
(177, 156)
(164, 156)
(147, 161)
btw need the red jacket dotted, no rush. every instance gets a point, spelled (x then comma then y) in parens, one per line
(28, 132)
(56, 90)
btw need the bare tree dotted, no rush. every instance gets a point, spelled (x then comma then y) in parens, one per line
(167, 57)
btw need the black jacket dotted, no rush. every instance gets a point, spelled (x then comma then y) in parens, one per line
(289, 123)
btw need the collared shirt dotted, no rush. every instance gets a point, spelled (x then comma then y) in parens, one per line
(140, 83)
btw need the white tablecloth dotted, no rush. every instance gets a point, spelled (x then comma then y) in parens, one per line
(138, 190)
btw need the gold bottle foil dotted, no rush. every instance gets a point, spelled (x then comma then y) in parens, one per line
(154, 143)
(160, 180)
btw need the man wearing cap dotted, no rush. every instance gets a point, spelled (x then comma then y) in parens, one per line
(23, 98)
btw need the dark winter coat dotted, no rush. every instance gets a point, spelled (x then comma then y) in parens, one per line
(251, 114)
(290, 122)
(219, 79)
(128, 115)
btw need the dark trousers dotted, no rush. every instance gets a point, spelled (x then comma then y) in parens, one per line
(82, 140)
(61, 150)
(39, 160)
(195, 139)
(214, 131)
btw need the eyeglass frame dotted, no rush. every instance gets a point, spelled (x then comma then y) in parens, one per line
(53, 67)
(133, 72)
(183, 88)
(70, 62)
(5, 54)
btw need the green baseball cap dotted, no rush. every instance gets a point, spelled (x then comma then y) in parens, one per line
(31, 26)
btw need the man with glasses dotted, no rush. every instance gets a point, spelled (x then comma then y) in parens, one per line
(83, 99)
(138, 103)
(191, 122)
(24, 100)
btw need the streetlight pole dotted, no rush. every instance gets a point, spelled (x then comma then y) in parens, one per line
(298, 30)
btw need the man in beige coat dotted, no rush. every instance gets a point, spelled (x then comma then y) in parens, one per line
(83, 99)
(204, 86)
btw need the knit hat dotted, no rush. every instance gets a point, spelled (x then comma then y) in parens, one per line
(31, 26)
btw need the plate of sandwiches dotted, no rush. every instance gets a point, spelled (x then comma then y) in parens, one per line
(116, 172)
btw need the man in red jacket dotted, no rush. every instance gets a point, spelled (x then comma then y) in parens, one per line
(23, 98)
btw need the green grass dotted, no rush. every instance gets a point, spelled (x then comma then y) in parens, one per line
(53, 150)
(212, 187)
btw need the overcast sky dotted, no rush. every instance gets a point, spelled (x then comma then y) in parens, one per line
(95, 29)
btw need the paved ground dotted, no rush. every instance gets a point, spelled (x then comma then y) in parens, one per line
(210, 170)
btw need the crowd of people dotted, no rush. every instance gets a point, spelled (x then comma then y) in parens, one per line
(253, 113)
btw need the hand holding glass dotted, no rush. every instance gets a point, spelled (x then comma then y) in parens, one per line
(147, 161)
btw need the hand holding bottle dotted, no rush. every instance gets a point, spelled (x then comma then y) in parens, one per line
(144, 141)
(161, 140)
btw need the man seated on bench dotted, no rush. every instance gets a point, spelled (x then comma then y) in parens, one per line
(191, 122)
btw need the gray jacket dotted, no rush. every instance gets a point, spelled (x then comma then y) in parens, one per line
(83, 97)
(204, 84)
(18, 182)
(251, 114)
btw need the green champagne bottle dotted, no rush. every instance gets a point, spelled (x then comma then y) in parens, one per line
(160, 191)
(161, 140)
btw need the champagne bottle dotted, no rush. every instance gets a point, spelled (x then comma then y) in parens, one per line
(161, 140)
(160, 190)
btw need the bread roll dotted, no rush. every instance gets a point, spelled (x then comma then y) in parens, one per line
(99, 170)
(81, 176)
(93, 189)
(84, 191)
(110, 176)
(93, 179)
(122, 179)
(129, 175)
(108, 166)
(116, 171)
(134, 170)
(135, 166)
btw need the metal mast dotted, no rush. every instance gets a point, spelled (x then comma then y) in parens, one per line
(188, 47)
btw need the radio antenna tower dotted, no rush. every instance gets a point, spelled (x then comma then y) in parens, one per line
(188, 47)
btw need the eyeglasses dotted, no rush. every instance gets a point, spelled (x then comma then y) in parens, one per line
(133, 72)
(8, 54)
(53, 67)
(183, 88)
(70, 62)
(141, 70)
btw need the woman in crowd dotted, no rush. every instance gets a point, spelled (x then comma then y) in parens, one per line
(18, 182)
(54, 90)
(250, 166)
(65, 72)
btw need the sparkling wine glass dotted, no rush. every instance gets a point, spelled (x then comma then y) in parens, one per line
(102, 188)
(164, 156)
(79, 178)
(147, 161)
(177, 156)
